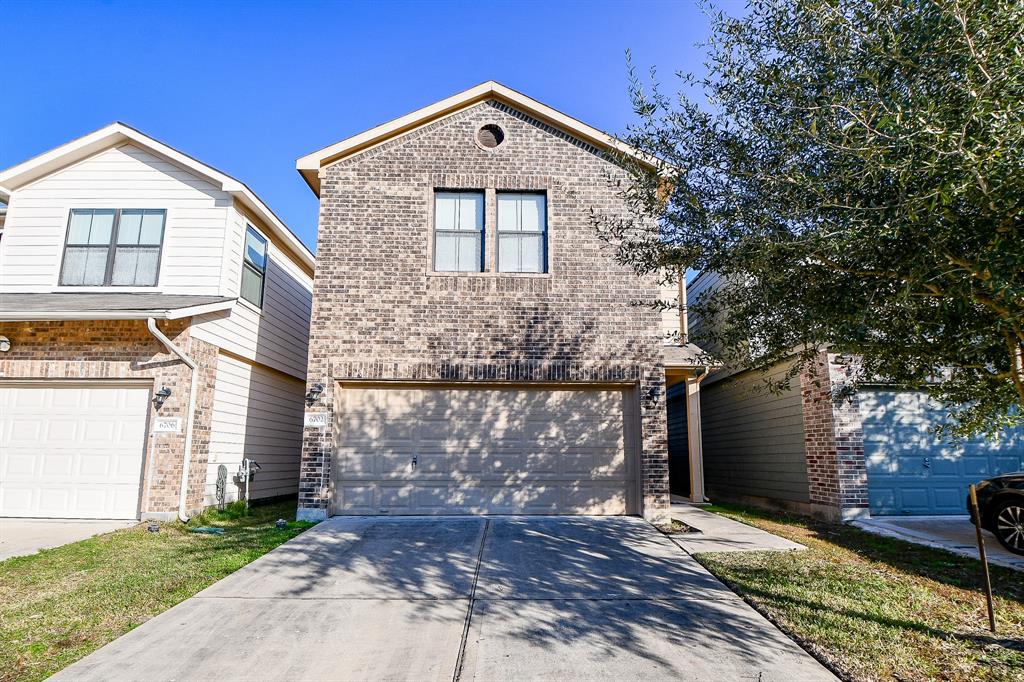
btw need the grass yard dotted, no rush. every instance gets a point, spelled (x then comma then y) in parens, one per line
(60, 604)
(877, 608)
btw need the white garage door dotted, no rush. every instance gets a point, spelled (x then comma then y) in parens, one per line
(71, 451)
(484, 451)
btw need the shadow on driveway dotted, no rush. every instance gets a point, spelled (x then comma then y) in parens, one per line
(461, 598)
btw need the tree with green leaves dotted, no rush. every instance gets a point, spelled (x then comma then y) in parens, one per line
(853, 170)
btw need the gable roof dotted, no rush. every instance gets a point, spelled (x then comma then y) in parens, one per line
(309, 166)
(118, 133)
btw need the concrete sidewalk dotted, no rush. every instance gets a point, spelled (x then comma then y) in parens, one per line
(721, 534)
(20, 537)
(461, 598)
(954, 534)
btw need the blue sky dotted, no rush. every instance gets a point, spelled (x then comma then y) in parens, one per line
(248, 87)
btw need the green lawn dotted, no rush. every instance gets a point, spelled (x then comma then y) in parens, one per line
(877, 608)
(60, 604)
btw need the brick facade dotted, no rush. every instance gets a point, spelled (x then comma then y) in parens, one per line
(834, 441)
(125, 350)
(380, 312)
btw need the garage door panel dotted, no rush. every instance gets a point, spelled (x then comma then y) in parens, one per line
(481, 450)
(913, 471)
(72, 451)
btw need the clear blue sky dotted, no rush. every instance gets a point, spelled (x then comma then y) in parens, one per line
(248, 87)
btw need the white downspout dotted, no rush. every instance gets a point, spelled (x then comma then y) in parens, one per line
(169, 345)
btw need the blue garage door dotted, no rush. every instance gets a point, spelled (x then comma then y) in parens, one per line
(910, 471)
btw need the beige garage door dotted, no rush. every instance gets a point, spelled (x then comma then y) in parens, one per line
(422, 450)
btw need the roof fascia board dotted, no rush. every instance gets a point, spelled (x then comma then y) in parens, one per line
(160, 314)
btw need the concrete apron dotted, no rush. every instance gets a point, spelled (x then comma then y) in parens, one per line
(500, 598)
(954, 534)
(21, 537)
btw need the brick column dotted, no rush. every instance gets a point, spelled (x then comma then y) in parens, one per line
(833, 441)
(654, 459)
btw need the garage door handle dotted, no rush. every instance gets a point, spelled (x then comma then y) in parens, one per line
(926, 462)
(414, 462)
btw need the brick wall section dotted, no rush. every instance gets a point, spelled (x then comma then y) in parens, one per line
(380, 312)
(834, 441)
(124, 349)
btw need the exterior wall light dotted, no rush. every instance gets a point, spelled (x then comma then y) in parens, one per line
(160, 396)
(314, 393)
(5, 344)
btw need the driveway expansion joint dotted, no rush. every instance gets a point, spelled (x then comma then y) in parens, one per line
(461, 659)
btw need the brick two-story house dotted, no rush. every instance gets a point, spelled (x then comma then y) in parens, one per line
(477, 348)
(153, 325)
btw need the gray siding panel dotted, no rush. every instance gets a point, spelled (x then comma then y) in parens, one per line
(753, 439)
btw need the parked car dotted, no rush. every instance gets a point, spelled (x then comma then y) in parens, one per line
(1001, 504)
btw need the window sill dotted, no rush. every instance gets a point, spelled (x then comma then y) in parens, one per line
(525, 275)
(251, 306)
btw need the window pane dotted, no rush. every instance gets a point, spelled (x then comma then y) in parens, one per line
(446, 252)
(84, 266)
(471, 211)
(469, 253)
(135, 267)
(521, 253)
(508, 212)
(532, 213)
(78, 233)
(531, 250)
(128, 227)
(102, 226)
(446, 206)
(508, 253)
(152, 227)
(252, 286)
(255, 249)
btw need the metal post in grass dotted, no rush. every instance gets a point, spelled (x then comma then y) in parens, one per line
(976, 515)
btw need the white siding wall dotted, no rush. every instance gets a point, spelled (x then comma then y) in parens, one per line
(256, 413)
(121, 177)
(670, 328)
(277, 335)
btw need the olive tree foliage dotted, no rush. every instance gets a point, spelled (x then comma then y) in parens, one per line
(854, 171)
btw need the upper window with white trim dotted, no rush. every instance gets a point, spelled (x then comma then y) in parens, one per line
(254, 266)
(113, 247)
(459, 231)
(522, 232)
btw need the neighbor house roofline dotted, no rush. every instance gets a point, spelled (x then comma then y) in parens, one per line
(119, 133)
(309, 166)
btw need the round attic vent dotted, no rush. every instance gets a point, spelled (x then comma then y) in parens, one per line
(490, 136)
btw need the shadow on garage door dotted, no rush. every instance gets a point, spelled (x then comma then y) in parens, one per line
(913, 472)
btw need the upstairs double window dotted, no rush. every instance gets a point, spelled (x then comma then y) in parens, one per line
(461, 240)
(113, 247)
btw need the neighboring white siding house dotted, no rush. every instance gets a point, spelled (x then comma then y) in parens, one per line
(259, 368)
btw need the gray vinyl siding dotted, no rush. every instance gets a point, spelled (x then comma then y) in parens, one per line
(753, 439)
(678, 443)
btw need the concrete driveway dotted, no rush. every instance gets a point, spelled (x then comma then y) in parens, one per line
(19, 537)
(504, 598)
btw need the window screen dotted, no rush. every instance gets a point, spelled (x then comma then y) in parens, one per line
(459, 231)
(522, 232)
